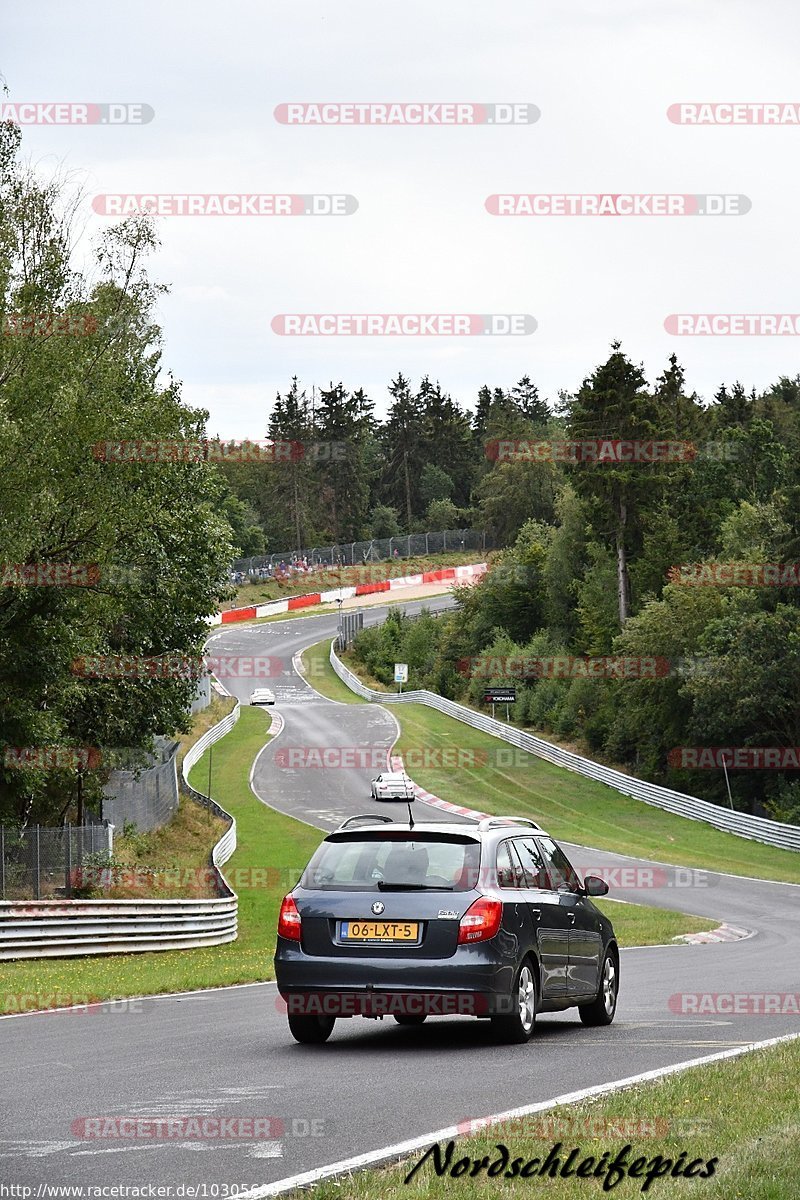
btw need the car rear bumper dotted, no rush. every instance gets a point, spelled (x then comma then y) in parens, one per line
(472, 982)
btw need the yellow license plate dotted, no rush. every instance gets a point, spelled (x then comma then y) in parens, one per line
(379, 931)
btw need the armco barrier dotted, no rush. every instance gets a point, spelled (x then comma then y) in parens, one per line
(757, 829)
(62, 928)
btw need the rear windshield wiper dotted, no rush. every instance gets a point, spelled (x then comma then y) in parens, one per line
(412, 887)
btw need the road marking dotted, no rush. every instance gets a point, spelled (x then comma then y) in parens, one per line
(277, 725)
(400, 1149)
(121, 1149)
(299, 670)
(265, 1150)
(35, 1149)
(228, 987)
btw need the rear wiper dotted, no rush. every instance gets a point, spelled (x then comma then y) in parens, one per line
(412, 887)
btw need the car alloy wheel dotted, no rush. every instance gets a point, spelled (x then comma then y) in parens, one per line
(517, 1027)
(601, 1010)
(526, 994)
(609, 986)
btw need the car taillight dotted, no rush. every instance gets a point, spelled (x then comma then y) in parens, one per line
(480, 921)
(289, 919)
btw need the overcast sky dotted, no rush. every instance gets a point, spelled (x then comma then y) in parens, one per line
(602, 72)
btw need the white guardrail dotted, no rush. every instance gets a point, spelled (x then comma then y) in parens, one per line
(61, 928)
(757, 829)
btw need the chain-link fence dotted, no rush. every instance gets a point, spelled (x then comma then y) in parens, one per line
(350, 625)
(348, 554)
(148, 797)
(202, 697)
(39, 863)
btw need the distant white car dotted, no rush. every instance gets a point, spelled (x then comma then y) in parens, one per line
(262, 696)
(392, 785)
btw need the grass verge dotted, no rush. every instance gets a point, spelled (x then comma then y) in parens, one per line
(741, 1114)
(202, 721)
(267, 842)
(644, 925)
(317, 670)
(271, 851)
(494, 777)
(172, 861)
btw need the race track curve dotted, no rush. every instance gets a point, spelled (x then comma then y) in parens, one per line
(228, 1053)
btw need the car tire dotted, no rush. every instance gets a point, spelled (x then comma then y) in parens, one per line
(311, 1031)
(412, 1019)
(602, 1008)
(517, 1028)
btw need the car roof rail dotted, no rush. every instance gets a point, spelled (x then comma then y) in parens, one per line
(365, 817)
(498, 822)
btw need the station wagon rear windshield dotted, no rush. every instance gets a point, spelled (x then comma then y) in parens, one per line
(410, 862)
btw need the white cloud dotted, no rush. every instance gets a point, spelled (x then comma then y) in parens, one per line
(603, 73)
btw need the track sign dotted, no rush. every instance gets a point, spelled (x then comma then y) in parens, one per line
(499, 695)
(401, 672)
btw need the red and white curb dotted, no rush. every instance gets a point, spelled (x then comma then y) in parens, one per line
(311, 599)
(396, 764)
(725, 933)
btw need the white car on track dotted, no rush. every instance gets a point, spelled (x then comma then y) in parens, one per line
(392, 785)
(262, 696)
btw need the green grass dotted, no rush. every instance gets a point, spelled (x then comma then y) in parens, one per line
(501, 780)
(271, 851)
(644, 925)
(171, 861)
(320, 674)
(742, 1111)
(268, 842)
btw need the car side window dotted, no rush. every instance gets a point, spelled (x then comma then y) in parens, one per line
(533, 865)
(508, 870)
(561, 872)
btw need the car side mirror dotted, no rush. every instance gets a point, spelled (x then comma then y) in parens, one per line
(593, 885)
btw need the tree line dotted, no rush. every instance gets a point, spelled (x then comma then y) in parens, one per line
(356, 476)
(96, 558)
(647, 610)
(590, 545)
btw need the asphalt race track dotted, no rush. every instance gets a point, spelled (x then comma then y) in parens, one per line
(228, 1053)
